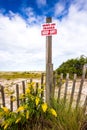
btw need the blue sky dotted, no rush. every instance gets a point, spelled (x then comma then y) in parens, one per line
(22, 48)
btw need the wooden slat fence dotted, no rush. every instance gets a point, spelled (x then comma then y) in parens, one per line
(61, 90)
(4, 98)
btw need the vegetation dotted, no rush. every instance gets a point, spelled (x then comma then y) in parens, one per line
(35, 114)
(32, 114)
(15, 75)
(68, 119)
(72, 66)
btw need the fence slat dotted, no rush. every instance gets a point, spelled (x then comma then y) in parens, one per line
(73, 89)
(23, 85)
(37, 85)
(31, 80)
(85, 105)
(11, 103)
(0, 87)
(79, 93)
(66, 86)
(42, 83)
(59, 86)
(3, 96)
(54, 84)
(17, 94)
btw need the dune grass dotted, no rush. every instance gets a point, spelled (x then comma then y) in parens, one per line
(15, 75)
(68, 119)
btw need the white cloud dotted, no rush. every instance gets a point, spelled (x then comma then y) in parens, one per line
(81, 4)
(20, 45)
(71, 40)
(58, 8)
(41, 3)
(23, 48)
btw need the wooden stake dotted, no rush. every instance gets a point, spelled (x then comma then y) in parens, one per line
(49, 66)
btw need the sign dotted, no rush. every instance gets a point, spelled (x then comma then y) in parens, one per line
(49, 32)
(48, 29)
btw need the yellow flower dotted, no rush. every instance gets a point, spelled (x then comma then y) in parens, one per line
(37, 100)
(21, 108)
(53, 112)
(30, 84)
(32, 97)
(22, 96)
(40, 90)
(5, 127)
(27, 91)
(5, 109)
(18, 120)
(27, 115)
(44, 107)
(13, 99)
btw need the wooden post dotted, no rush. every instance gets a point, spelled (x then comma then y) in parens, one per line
(81, 85)
(85, 105)
(23, 85)
(84, 71)
(66, 87)
(30, 80)
(11, 103)
(59, 87)
(54, 83)
(49, 66)
(37, 86)
(73, 89)
(3, 96)
(17, 94)
(42, 87)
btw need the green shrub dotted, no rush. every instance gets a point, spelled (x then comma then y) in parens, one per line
(32, 113)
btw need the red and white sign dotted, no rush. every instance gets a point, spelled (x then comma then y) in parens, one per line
(48, 29)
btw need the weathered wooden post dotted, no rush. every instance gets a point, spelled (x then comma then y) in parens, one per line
(59, 86)
(2, 95)
(48, 31)
(66, 87)
(81, 85)
(17, 95)
(73, 90)
(84, 70)
(49, 65)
